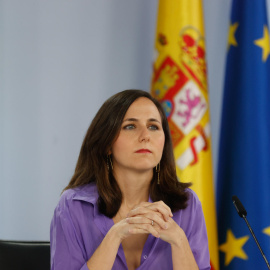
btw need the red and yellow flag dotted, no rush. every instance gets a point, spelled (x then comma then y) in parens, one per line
(180, 83)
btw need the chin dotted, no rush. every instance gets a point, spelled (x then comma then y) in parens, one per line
(144, 167)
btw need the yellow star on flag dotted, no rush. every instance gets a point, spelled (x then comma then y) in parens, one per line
(264, 43)
(267, 231)
(231, 36)
(233, 247)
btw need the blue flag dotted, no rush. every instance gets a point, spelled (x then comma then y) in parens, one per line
(244, 153)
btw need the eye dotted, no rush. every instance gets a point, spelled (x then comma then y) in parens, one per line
(129, 126)
(153, 127)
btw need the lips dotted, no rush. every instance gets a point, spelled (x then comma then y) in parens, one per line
(143, 151)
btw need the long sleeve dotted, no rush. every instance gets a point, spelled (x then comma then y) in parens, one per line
(197, 234)
(66, 248)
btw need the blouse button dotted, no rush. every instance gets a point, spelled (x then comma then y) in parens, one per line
(145, 257)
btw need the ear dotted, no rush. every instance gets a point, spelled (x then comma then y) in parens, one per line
(109, 152)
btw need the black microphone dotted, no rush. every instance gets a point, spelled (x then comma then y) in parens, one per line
(243, 213)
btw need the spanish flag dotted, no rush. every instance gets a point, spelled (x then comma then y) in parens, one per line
(180, 83)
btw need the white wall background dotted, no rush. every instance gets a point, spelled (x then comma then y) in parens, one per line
(59, 60)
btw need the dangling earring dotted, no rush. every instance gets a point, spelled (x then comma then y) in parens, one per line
(158, 171)
(109, 162)
(108, 166)
(110, 157)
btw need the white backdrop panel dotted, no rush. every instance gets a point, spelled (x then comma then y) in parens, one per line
(60, 60)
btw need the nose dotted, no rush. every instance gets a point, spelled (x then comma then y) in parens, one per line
(144, 135)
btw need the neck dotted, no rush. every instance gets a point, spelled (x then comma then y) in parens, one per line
(134, 187)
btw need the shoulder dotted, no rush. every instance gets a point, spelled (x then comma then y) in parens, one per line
(86, 193)
(193, 199)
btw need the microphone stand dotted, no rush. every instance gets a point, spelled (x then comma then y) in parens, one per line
(244, 217)
(243, 213)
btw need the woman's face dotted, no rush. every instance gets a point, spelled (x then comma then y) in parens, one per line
(140, 143)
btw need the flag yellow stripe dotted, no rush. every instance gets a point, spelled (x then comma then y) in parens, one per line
(180, 41)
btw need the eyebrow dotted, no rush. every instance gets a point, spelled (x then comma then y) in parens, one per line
(136, 120)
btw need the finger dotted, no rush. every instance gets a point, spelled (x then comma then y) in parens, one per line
(165, 206)
(149, 218)
(157, 218)
(144, 229)
(138, 220)
(152, 207)
(147, 204)
(157, 204)
(140, 210)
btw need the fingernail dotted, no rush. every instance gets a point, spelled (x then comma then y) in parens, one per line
(127, 219)
(165, 226)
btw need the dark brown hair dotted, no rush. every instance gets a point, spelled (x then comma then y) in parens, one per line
(92, 162)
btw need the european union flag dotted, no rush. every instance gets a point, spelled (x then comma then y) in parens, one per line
(244, 154)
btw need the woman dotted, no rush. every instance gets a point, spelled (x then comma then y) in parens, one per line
(124, 207)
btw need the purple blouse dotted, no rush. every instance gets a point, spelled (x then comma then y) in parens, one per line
(78, 228)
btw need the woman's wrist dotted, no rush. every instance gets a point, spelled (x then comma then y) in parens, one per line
(182, 255)
(179, 239)
(114, 235)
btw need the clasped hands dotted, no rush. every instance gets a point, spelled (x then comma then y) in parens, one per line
(150, 218)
